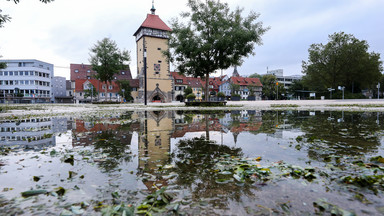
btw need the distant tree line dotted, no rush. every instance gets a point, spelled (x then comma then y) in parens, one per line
(344, 61)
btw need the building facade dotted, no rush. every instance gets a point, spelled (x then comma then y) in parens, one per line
(83, 78)
(155, 80)
(26, 81)
(286, 81)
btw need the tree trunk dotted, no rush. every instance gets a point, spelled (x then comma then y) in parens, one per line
(206, 86)
(106, 90)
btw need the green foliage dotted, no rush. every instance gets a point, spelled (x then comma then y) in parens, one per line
(234, 88)
(270, 88)
(187, 91)
(107, 59)
(91, 91)
(125, 84)
(343, 61)
(213, 38)
(221, 95)
(191, 96)
(255, 75)
(3, 65)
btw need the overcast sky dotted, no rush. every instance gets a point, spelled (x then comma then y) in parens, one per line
(62, 32)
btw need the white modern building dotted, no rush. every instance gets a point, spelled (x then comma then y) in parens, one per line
(26, 81)
(286, 81)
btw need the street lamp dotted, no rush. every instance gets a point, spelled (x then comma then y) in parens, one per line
(378, 90)
(341, 88)
(330, 90)
(123, 90)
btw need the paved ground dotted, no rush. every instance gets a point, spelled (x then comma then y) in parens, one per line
(81, 109)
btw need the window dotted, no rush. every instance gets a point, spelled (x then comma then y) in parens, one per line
(88, 77)
(81, 94)
(26, 73)
(5, 73)
(156, 68)
(110, 87)
(1, 73)
(10, 73)
(76, 71)
(123, 72)
(115, 77)
(16, 73)
(104, 86)
(88, 71)
(179, 81)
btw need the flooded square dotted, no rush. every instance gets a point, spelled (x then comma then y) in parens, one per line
(235, 162)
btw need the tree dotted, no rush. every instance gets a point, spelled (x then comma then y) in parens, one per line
(213, 38)
(343, 61)
(3, 65)
(271, 88)
(255, 75)
(125, 89)
(297, 85)
(235, 89)
(187, 91)
(107, 60)
(6, 18)
(90, 91)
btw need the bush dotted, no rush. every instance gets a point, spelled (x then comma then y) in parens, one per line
(221, 95)
(191, 96)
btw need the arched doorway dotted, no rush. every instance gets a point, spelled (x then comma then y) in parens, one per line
(180, 98)
(156, 98)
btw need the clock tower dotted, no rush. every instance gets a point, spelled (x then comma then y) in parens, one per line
(155, 80)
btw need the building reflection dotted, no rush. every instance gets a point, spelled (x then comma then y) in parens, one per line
(157, 128)
(31, 133)
(86, 131)
(154, 142)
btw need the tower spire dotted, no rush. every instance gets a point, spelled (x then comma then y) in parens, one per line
(153, 7)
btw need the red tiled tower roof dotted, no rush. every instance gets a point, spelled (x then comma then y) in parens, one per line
(153, 21)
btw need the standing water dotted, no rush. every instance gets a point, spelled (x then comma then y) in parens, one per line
(241, 162)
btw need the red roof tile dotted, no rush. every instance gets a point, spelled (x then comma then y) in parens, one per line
(154, 22)
(245, 81)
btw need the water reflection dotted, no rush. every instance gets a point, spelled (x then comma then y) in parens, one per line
(149, 150)
(31, 133)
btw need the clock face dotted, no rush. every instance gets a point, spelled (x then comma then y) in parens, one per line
(157, 67)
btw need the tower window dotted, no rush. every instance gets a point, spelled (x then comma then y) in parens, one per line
(158, 48)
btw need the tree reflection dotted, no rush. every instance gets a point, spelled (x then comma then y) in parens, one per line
(194, 161)
(338, 133)
(115, 147)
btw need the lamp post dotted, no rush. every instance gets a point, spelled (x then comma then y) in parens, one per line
(277, 92)
(342, 88)
(330, 90)
(378, 91)
(123, 90)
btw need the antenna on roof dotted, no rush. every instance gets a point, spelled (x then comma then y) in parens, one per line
(153, 7)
